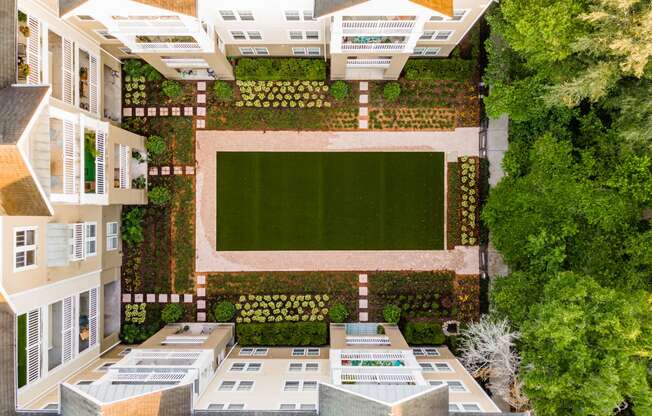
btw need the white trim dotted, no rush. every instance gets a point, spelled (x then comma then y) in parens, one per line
(246, 35)
(458, 407)
(111, 236)
(464, 389)
(246, 367)
(25, 248)
(88, 239)
(431, 367)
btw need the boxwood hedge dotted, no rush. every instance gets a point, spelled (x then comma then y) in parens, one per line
(280, 69)
(282, 334)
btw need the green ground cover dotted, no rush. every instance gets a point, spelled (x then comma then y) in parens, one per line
(330, 201)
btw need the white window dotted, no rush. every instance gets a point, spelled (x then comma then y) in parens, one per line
(247, 51)
(235, 406)
(459, 15)
(443, 35)
(300, 352)
(308, 406)
(227, 15)
(313, 352)
(436, 367)
(312, 35)
(246, 14)
(428, 34)
(296, 35)
(76, 241)
(216, 406)
(248, 351)
(299, 51)
(226, 386)
(245, 386)
(307, 15)
(300, 366)
(312, 366)
(303, 34)
(112, 236)
(464, 407)
(238, 35)
(314, 51)
(254, 35)
(309, 386)
(24, 248)
(90, 236)
(254, 51)
(425, 352)
(287, 406)
(292, 386)
(453, 385)
(295, 367)
(261, 51)
(249, 367)
(420, 51)
(105, 34)
(292, 15)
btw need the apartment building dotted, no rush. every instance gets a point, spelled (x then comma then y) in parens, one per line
(194, 39)
(193, 368)
(66, 169)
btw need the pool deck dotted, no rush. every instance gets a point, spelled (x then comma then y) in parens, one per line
(463, 260)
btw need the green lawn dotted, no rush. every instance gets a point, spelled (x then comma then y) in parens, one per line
(330, 201)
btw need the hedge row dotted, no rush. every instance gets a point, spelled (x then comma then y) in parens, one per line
(282, 334)
(424, 333)
(280, 69)
(453, 69)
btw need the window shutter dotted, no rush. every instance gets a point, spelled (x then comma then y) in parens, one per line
(34, 51)
(33, 345)
(124, 166)
(92, 80)
(67, 329)
(77, 243)
(92, 317)
(100, 142)
(70, 165)
(67, 70)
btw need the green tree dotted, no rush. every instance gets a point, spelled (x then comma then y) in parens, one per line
(585, 349)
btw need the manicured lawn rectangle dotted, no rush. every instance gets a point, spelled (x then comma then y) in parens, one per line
(330, 201)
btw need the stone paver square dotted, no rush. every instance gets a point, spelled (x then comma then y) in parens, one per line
(151, 112)
(153, 171)
(363, 304)
(363, 124)
(364, 98)
(190, 170)
(127, 112)
(201, 304)
(363, 291)
(201, 279)
(151, 298)
(362, 278)
(163, 111)
(174, 298)
(187, 111)
(138, 298)
(165, 170)
(176, 111)
(201, 123)
(201, 316)
(201, 292)
(178, 170)
(163, 298)
(201, 86)
(364, 316)
(140, 112)
(201, 98)
(126, 297)
(201, 111)
(364, 111)
(187, 298)
(364, 85)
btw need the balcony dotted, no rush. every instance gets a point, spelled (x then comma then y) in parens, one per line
(377, 27)
(165, 43)
(368, 63)
(370, 44)
(64, 160)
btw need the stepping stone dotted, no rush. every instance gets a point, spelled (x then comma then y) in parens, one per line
(201, 123)
(176, 111)
(163, 298)
(201, 316)
(364, 111)
(363, 124)
(363, 291)
(126, 298)
(138, 298)
(151, 111)
(201, 86)
(201, 304)
(363, 304)
(174, 298)
(201, 279)
(163, 111)
(362, 278)
(151, 298)
(364, 85)
(187, 298)
(201, 111)
(127, 112)
(165, 170)
(364, 98)
(364, 316)
(187, 111)
(201, 292)
(140, 112)
(178, 170)
(153, 171)
(190, 170)
(201, 98)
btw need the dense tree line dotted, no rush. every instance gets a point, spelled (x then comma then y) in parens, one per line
(572, 216)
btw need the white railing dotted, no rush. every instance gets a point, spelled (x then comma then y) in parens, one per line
(372, 356)
(124, 158)
(373, 47)
(376, 63)
(186, 63)
(183, 46)
(366, 378)
(370, 340)
(377, 27)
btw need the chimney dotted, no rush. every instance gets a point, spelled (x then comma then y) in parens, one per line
(8, 22)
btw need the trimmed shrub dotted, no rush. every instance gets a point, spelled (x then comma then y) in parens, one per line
(281, 69)
(132, 227)
(223, 90)
(155, 145)
(224, 311)
(172, 89)
(338, 313)
(453, 69)
(424, 333)
(159, 195)
(391, 91)
(339, 90)
(172, 312)
(392, 314)
(135, 334)
(135, 68)
(282, 334)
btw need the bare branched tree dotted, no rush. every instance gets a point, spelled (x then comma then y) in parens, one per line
(488, 352)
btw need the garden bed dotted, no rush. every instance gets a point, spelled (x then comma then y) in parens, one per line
(468, 199)
(183, 233)
(176, 131)
(144, 86)
(142, 320)
(453, 223)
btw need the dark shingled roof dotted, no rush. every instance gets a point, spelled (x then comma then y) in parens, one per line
(19, 194)
(325, 7)
(18, 104)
